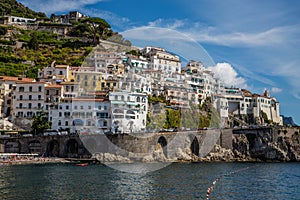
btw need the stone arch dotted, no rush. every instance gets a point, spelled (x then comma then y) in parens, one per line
(53, 148)
(35, 146)
(162, 141)
(72, 147)
(194, 145)
(12, 147)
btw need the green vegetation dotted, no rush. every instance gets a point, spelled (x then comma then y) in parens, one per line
(3, 30)
(12, 7)
(24, 52)
(134, 52)
(40, 49)
(94, 27)
(156, 99)
(40, 123)
(194, 117)
(265, 117)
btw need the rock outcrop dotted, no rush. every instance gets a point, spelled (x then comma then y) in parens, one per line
(108, 157)
(267, 147)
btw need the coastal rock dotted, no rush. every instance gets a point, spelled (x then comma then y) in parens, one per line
(157, 155)
(219, 154)
(108, 157)
(183, 155)
(267, 146)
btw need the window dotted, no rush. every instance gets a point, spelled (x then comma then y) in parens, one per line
(20, 105)
(40, 88)
(29, 105)
(47, 92)
(30, 97)
(85, 77)
(90, 107)
(39, 105)
(66, 123)
(81, 107)
(30, 89)
(21, 97)
(67, 107)
(57, 92)
(94, 83)
(21, 89)
(59, 114)
(75, 107)
(105, 123)
(39, 97)
(59, 123)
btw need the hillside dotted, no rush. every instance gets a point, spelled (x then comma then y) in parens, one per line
(25, 49)
(12, 7)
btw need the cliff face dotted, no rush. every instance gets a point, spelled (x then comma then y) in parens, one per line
(280, 145)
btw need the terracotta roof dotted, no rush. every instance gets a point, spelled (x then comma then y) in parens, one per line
(11, 78)
(69, 83)
(26, 82)
(53, 86)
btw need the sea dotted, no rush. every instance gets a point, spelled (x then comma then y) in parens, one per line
(220, 181)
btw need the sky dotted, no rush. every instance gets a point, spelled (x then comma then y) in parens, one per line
(251, 44)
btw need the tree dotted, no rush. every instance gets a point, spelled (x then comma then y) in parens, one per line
(33, 43)
(40, 123)
(97, 27)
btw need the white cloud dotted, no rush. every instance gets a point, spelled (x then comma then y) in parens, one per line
(213, 35)
(54, 6)
(171, 23)
(171, 40)
(226, 73)
(276, 90)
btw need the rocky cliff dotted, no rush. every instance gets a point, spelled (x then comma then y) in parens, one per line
(252, 145)
(280, 145)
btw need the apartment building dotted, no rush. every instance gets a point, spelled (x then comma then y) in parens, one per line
(128, 112)
(7, 85)
(28, 100)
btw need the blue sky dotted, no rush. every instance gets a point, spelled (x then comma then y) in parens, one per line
(259, 41)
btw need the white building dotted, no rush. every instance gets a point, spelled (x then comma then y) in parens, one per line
(103, 59)
(221, 105)
(59, 73)
(28, 101)
(7, 85)
(162, 60)
(128, 112)
(83, 114)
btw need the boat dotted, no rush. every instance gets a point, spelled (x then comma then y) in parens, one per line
(82, 164)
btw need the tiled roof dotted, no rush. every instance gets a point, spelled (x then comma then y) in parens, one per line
(11, 78)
